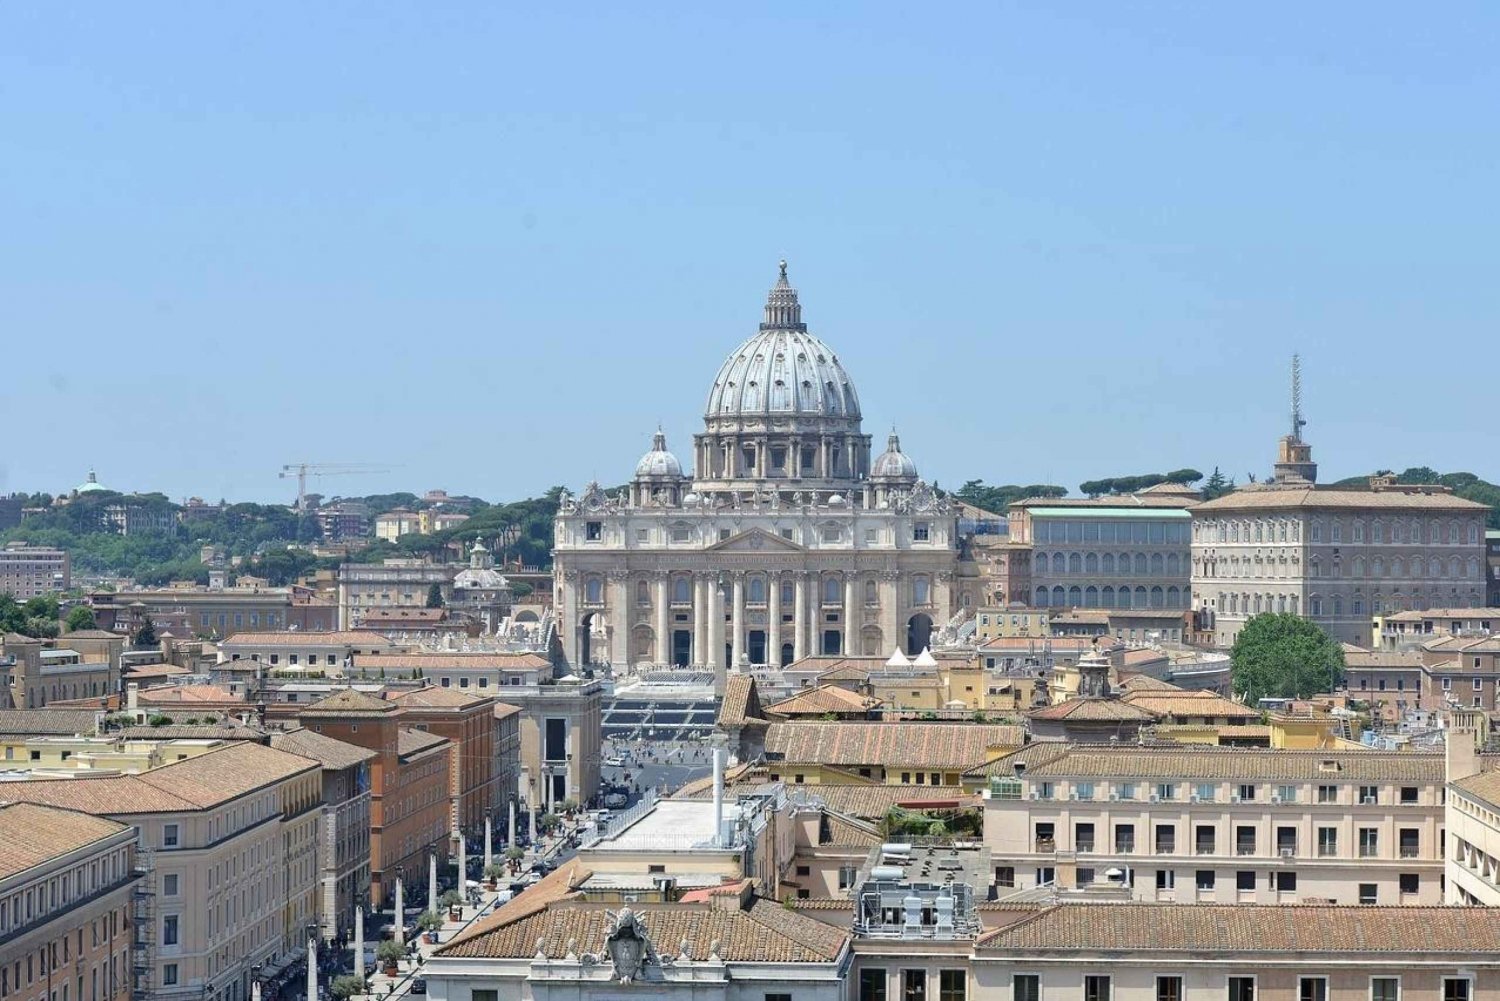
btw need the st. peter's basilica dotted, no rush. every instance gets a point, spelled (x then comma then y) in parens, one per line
(786, 541)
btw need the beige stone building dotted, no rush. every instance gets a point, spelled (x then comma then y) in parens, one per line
(228, 842)
(1220, 825)
(786, 540)
(67, 882)
(1337, 556)
(27, 571)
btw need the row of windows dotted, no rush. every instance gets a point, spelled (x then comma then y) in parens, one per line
(1156, 533)
(206, 620)
(1126, 564)
(1207, 792)
(1245, 842)
(1359, 530)
(1107, 597)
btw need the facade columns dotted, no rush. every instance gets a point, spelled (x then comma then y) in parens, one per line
(851, 616)
(700, 620)
(773, 621)
(890, 611)
(570, 617)
(799, 618)
(619, 619)
(715, 623)
(663, 620)
(737, 640)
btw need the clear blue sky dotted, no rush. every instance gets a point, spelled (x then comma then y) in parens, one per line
(494, 245)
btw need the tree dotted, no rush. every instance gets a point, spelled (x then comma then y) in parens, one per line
(346, 985)
(1184, 476)
(80, 617)
(1282, 655)
(1217, 485)
(146, 635)
(434, 596)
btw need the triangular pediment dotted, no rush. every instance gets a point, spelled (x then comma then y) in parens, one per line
(756, 540)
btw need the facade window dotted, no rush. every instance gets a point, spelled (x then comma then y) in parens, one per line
(1457, 989)
(914, 985)
(593, 531)
(1028, 987)
(921, 532)
(1369, 842)
(872, 985)
(169, 836)
(1286, 882)
(1170, 989)
(1095, 988)
(1367, 893)
(1385, 989)
(1244, 880)
(169, 885)
(1241, 989)
(169, 934)
(953, 985)
(1409, 882)
(168, 974)
(1312, 989)
(1286, 793)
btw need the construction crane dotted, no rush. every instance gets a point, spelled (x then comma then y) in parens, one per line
(302, 470)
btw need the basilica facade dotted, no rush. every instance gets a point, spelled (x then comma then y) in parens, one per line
(786, 540)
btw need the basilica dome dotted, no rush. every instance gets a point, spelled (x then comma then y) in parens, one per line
(658, 462)
(783, 371)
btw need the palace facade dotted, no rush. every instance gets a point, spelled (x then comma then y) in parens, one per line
(786, 540)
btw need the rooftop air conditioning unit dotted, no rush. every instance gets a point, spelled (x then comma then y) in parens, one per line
(1234, 797)
(1286, 853)
(1194, 798)
(1155, 798)
(1073, 796)
(1275, 798)
(1114, 797)
(1035, 795)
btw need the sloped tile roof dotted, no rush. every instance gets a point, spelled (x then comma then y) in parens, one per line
(332, 754)
(1251, 928)
(820, 699)
(1090, 710)
(47, 722)
(764, 932)
(342, 637)
(350, 702)
(891, 745)
(1146, 683)
(741, 703)
(437, 697)
(1184, 704)
(409, 741)
(454, 661)
(31, 834)
(1324, 499)
(1239, 763)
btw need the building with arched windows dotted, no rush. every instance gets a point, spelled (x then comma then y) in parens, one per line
(1340, 556)
(786, 540)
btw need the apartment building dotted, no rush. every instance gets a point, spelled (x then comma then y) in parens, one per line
(467, 721)
(228, 846)
(67, 885)
(1461, 671)
(1410, 629)
(1108, 552)
(1220, 825)
(213, 612)
(1335, 556)
(410, 812)
(28, 571)
(309, 652)
(806, 753)
(344, 829)
(396, 582)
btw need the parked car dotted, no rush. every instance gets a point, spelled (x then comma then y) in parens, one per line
(419, 986)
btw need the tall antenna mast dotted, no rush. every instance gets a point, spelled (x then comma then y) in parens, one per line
(1298, 422)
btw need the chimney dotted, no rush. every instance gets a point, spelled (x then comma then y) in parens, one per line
(718, 753)
(1462, 753)
(133, 695)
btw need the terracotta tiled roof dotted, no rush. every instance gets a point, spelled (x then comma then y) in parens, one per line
(559, 884)
(31, 835)
(1345, 500)
(177, 695)
(341, 637)
(849, 832)
(1035, 753)
(1063, 645)
(1240, 763)
(820, 699)
(437, 697)
(225, 729)
(763, 932)
(192, 784)
(454, 661)
(350, 702)
(1485, 786)
(1181, 704)
(741, 703)
(504, 710)
(873, 802)
(1092, 710)
(47, 722)
(891, 745)
(332, 754)
(1249, 928)
(1146, 683)
(1433, 613)
(409, 741)
(93, 634)
(1132, 501)
(154, 671)
(1377, 659)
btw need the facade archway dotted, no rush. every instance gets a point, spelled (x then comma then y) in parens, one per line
(918, 633)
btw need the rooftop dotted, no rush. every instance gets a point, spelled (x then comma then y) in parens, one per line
(437, 697)
(410, 742)
(916, 745)
(350, 702)
(31, 835)
(820, 699)
(1301, 496)
(1207, 929)
(671, 825)
(454, 661)
(1228, 763)
(333, 755)
(342, 637)
(47, 722)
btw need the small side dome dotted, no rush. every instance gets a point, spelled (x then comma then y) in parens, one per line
(893, 464)
(658, 462)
